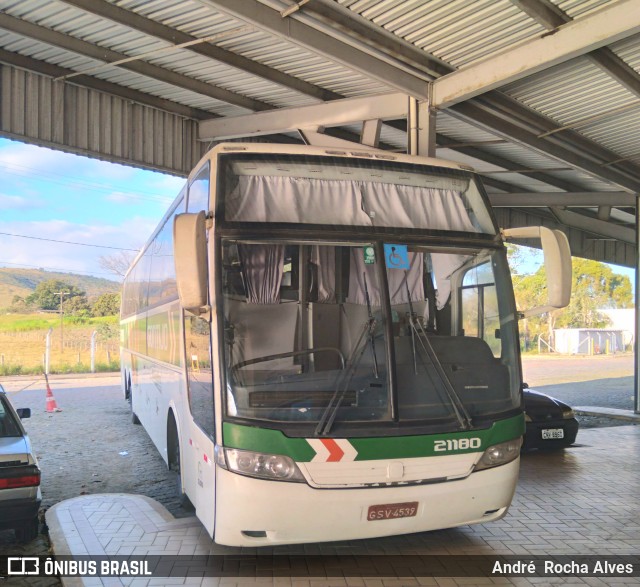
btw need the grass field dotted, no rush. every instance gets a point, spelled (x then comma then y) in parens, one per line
(23, 343)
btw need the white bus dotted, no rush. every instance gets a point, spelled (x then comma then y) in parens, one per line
(324, 344)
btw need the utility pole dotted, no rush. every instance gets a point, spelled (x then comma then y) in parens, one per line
(61, 294)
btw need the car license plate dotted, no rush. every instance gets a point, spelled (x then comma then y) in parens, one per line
(392, 511)
(553, 434)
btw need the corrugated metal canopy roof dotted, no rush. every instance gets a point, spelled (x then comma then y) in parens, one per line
(572, 127)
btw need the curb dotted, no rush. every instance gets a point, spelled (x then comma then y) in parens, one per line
(616, 414)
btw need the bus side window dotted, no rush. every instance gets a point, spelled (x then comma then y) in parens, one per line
(197, 330)
(199, 192)
(199, 370)
(480, 316)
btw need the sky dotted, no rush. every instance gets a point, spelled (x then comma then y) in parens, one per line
(59, 196)
(53, 195)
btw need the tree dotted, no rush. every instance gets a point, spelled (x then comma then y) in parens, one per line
(77, 306)
(118, 263)
(108, 304)
(594, 287)
(18, 305)
(46, 295)
(107, 332)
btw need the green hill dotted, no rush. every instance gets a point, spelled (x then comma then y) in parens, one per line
(22, 282)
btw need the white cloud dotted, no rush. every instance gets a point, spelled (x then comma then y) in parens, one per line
(14, 202)
(131, 234)
(26, 159)
(120, 198)
(68, 190)
(164, 183)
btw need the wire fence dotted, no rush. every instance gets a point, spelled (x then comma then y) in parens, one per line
(80, 351)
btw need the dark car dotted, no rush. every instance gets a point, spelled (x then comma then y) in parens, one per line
(550, 422)
(19, 474)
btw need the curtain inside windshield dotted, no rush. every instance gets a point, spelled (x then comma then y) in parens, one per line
(299, 191)
(306, 333)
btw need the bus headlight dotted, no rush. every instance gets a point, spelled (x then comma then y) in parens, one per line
(260, 465)
(499, 454)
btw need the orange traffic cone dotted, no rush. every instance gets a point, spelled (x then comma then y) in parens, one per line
(51, 401)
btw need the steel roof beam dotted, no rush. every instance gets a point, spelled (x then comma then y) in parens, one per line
(571, 40)
(354, 25)
(54, 71)
(550, 16)
(493, 159)
(85, 81)
(611, 64)
(51, 37)
(544, 12)
(335, 113)
(510, 110)
(338, 48)
(174, 36)
(595, 226)
(575, 199)
(471, 112)
(516, 114)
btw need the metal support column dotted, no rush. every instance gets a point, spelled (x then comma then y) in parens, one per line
(421, 124)
(636, 356)
(370, 134)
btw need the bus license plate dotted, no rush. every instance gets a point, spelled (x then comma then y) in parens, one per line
(392, 511)
(553, 434)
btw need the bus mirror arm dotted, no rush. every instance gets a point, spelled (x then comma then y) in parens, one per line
(190, 259)
(557, 261)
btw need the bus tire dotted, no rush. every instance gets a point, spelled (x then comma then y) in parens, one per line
(173, 458)
(127, 386)
(134, 418)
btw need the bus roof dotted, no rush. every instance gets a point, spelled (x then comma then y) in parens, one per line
(357, 152)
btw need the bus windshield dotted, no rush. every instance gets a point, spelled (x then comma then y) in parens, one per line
(327, 338)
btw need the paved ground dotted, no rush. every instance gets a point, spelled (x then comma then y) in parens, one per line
(565, 505)
(601, 381)
(546, 370)
(92, 447)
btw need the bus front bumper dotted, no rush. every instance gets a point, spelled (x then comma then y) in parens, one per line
(255, 512)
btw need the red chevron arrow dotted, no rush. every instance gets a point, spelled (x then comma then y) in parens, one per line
(335, 452)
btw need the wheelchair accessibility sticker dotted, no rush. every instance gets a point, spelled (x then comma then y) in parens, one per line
(396, 256)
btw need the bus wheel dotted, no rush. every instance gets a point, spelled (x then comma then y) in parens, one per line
(173, 457)
(127, 387)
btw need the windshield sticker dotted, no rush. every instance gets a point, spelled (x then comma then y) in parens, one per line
(369, 255)
(396, 256)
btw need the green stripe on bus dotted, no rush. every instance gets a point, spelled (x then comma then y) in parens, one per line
(267, 441)
(388, 447)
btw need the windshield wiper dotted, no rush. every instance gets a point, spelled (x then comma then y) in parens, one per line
(330, 412)
(371, 327)
(417, 331)
(329, 415)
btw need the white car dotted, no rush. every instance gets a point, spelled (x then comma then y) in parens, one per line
(20, 495)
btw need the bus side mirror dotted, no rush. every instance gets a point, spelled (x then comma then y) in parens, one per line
(557, 261)
(190, 258)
